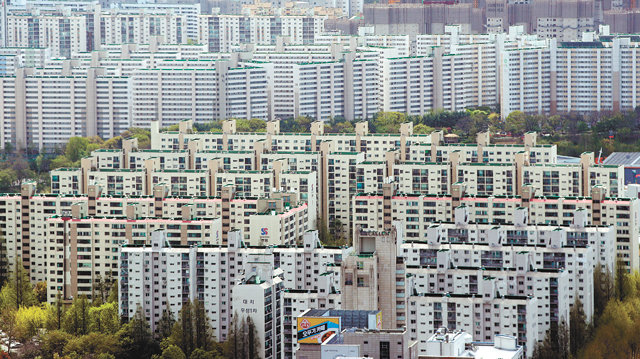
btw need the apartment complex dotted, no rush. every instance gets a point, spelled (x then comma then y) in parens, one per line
(224, 33)
(419, 212)
(105, 95)
(91, 226)
(493, 283)
(110, 89)
(565, 20)
(216, 272)
(319, 165)
(68, 30)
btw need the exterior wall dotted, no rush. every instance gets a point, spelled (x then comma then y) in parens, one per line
(218, 268)
(419, 212)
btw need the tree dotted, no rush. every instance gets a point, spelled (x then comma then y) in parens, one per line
(516, 123)
(8, 148)
(104, 319)
(182, 334)
(200, 354)
(55, 314)
(173, 352)
(8, 180)
(388, 122)
(253, 125)
(143, 136)
(621, 272)
(325, 236)
(234, 348)
(103, 289)
(17, 291)
(76, 148)
(4, 261)
(61, 162)
(578, 327)
(136, 340)
(555, 344)
(91, 345)
(338, 233)
(242, 342)
(113, 293)
(165, 324)
(203, 338)
(53, 342)
(40, 292)
(76, 319)
(422, 129)
(253, 344)
(29, 322)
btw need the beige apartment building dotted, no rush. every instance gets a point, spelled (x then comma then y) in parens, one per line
(419, 212)
(30, 218)
(332, 167)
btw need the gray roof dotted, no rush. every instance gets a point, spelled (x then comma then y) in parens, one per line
(623, 158)
(568, 159)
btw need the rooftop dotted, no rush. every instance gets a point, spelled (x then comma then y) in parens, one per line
(623, 158)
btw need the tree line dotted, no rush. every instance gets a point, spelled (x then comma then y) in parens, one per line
(572, 133)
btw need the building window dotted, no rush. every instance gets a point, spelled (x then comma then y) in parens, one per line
(384, 350)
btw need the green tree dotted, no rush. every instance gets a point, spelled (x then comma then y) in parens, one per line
(578, 327)
(516, 123)
(555, 344)
(182, 334)
(422, 129)
(203, 338)
(61, 162)
(143, 136)
(202, 354)
(76, 319)
(55, 314)
(104, 319)
(76, 148)
(17, 291)
(8, 148)
(102, 289)
(388, 122)
(113, 293)
(29, 322)
(8, 180)
(9, 325)
(91, 345)
(603, 289)
(242, 341)
(4, 261)
(234, 346)
(52, 343)
(40, 292)
(136, 340)
(253, 125)
(253, 343)
(173, 352)
(621, 273)
(165, 324)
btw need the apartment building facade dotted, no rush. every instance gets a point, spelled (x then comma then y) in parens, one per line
(373, 212)
(215, 269)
